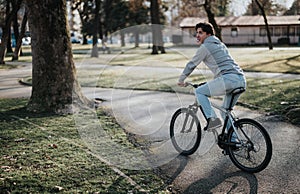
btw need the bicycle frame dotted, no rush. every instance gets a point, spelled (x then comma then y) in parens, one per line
(228, 118)
(227, 112)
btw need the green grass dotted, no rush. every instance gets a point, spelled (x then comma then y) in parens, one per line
(5, 66)
(249, 58)
(279, 97)
(45, 154)
(264, 60)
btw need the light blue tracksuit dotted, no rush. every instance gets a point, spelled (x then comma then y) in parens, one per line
(227, 74)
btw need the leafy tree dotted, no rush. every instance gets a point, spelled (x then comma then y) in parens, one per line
(54, 83)
(190, 8)
(270, 8)
(138, 14)
(116, 17)
(85, 9)
(221, 7)
(294, 9)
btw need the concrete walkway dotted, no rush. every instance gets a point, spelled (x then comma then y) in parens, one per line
(147, 114)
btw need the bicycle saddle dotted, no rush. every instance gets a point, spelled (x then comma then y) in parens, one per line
(233, 93)
(238, 91)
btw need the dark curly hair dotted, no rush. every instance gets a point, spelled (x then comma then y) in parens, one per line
(206, 27)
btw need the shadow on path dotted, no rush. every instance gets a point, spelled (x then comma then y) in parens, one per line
(225, 182)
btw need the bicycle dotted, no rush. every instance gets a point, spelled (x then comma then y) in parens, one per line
(247, 142)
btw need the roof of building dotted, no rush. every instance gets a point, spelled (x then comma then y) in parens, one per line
(244, 20)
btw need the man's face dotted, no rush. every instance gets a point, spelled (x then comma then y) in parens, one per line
(201, 35)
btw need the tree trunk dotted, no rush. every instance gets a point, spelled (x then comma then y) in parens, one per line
(9, 42)
(266, 24)
(6, 30)
(15, 25)
(136, 37)
(157, 39)
(211, 19)
(54, 84)
(19, 40)
(122, 34)
(96, 28)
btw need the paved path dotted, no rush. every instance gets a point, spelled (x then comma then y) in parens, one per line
(147, 114)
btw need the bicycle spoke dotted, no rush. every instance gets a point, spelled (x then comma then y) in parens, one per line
(184, 123)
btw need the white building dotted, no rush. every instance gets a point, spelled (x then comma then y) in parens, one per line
(248, 30)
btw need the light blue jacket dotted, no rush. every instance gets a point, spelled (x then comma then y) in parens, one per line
(216, 57)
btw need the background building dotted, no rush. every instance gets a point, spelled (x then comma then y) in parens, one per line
(248, 30)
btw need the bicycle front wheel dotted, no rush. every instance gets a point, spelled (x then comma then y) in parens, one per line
(185, 131)
(253, 152)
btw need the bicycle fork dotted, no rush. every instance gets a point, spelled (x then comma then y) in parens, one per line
(184, 124)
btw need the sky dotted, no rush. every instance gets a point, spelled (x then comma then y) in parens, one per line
(238, 7)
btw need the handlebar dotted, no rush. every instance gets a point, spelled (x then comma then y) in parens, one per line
(195, 85)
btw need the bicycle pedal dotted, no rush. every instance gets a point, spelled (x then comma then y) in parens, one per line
(225, 152)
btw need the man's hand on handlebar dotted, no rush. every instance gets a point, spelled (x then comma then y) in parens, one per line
(185, 84)
(182, 84)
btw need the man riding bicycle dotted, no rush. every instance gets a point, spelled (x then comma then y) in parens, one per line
(227, 74)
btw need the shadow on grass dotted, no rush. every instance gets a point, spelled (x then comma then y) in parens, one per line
(292, 69)
(23, 113)
(13, 108)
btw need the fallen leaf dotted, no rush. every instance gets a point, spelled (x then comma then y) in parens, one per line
(284, 103)
(53, 145)
(58, 188)
(20, 140)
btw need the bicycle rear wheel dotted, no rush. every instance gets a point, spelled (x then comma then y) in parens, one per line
(185, 131)
(255, 152)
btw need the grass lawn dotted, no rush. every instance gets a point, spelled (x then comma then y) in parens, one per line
(249, 58)
(45, 154)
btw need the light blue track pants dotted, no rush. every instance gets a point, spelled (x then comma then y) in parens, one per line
(219, 86)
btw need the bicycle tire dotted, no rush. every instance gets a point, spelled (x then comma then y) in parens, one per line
(185, 131)
(256, 156)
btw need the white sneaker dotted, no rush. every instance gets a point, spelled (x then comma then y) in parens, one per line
(213, 123)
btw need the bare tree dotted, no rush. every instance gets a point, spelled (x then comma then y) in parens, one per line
(294, 9)
(54, 83)
(261, 7)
